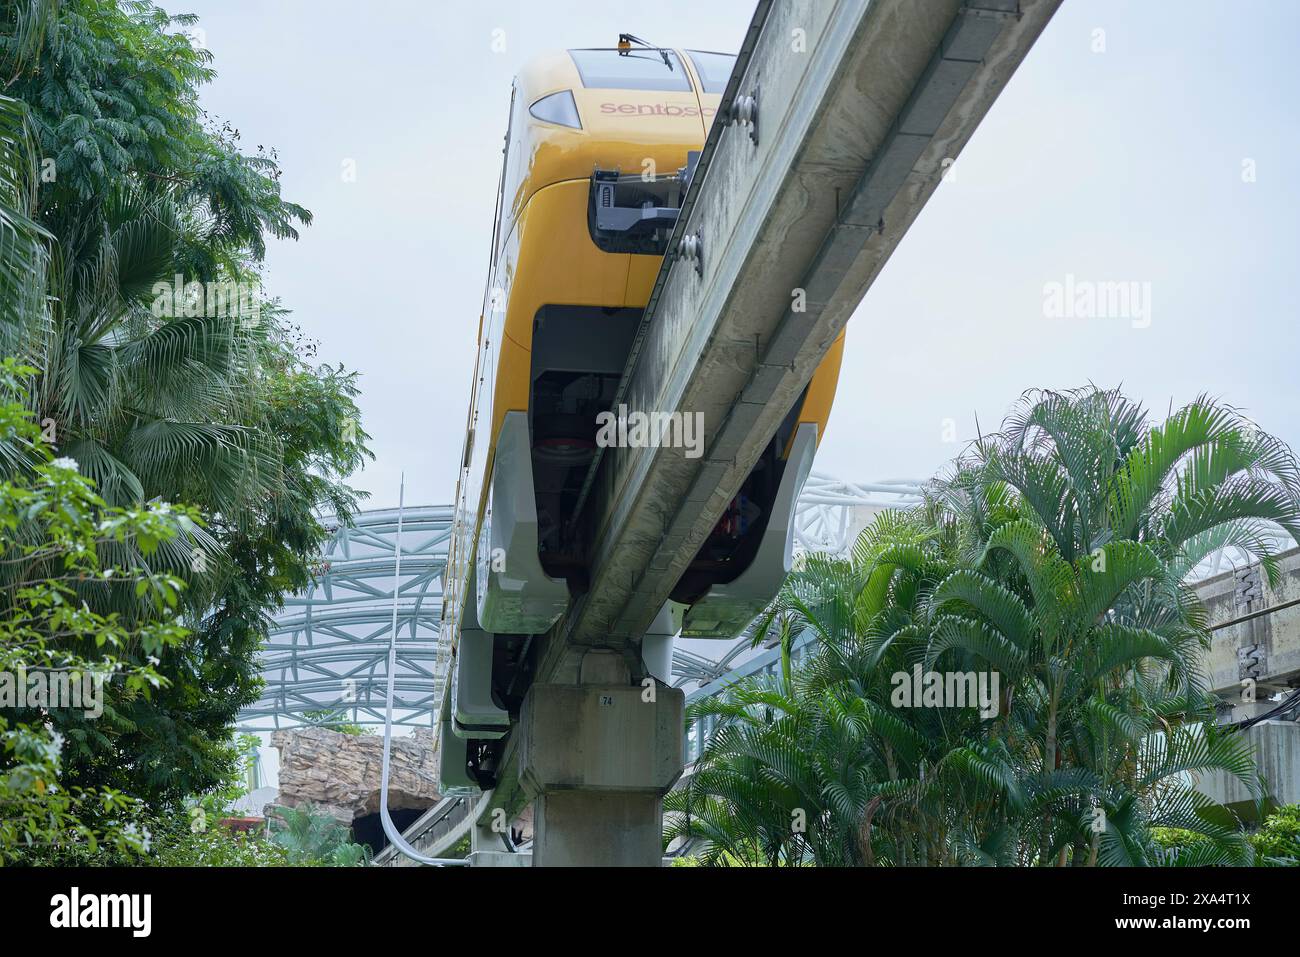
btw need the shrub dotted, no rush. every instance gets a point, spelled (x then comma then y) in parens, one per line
(1277, 843)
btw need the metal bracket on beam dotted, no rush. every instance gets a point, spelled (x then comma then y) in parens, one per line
(691, 249)
(744, 112)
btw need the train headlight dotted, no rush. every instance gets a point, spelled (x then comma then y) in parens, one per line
(558, 108)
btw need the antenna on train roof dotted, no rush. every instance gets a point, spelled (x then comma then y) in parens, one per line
(625, 41)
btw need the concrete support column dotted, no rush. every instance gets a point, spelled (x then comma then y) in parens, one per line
(598, 829)
(598, 758)
(1277, 755)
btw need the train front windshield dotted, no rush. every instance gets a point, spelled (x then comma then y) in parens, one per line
(714, 69)
(635, 70)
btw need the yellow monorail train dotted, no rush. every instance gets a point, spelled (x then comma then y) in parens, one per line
(598, 151)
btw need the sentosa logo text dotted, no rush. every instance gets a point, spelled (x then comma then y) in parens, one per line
(655, 109)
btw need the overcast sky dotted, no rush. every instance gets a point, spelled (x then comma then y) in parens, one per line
(1124, 149)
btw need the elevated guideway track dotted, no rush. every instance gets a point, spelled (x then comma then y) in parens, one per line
(836, 127)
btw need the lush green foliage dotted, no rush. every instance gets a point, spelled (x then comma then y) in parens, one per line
(53, 532)
(1276, 843)
(216, 847)
(131, 225)
(164, 842)
(1053, 557)
(194, 837)
(310, 836)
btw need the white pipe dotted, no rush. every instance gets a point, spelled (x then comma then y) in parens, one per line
(390, 829)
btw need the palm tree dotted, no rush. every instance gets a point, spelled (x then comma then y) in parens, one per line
(817, 764)
(1079, 600)
(23, 243)
(149, 403)
(313, 837)
(1054, 556)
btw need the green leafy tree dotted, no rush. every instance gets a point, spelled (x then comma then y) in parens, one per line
(24, 252)
(53, 530)
(1053, 555)
(1278, 841)
(215, 847)
(126, 213)
(310, 836)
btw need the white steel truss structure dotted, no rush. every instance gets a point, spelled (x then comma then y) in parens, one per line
(326, 655)
(328, 648)
(825, 511)
(1231, 558)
